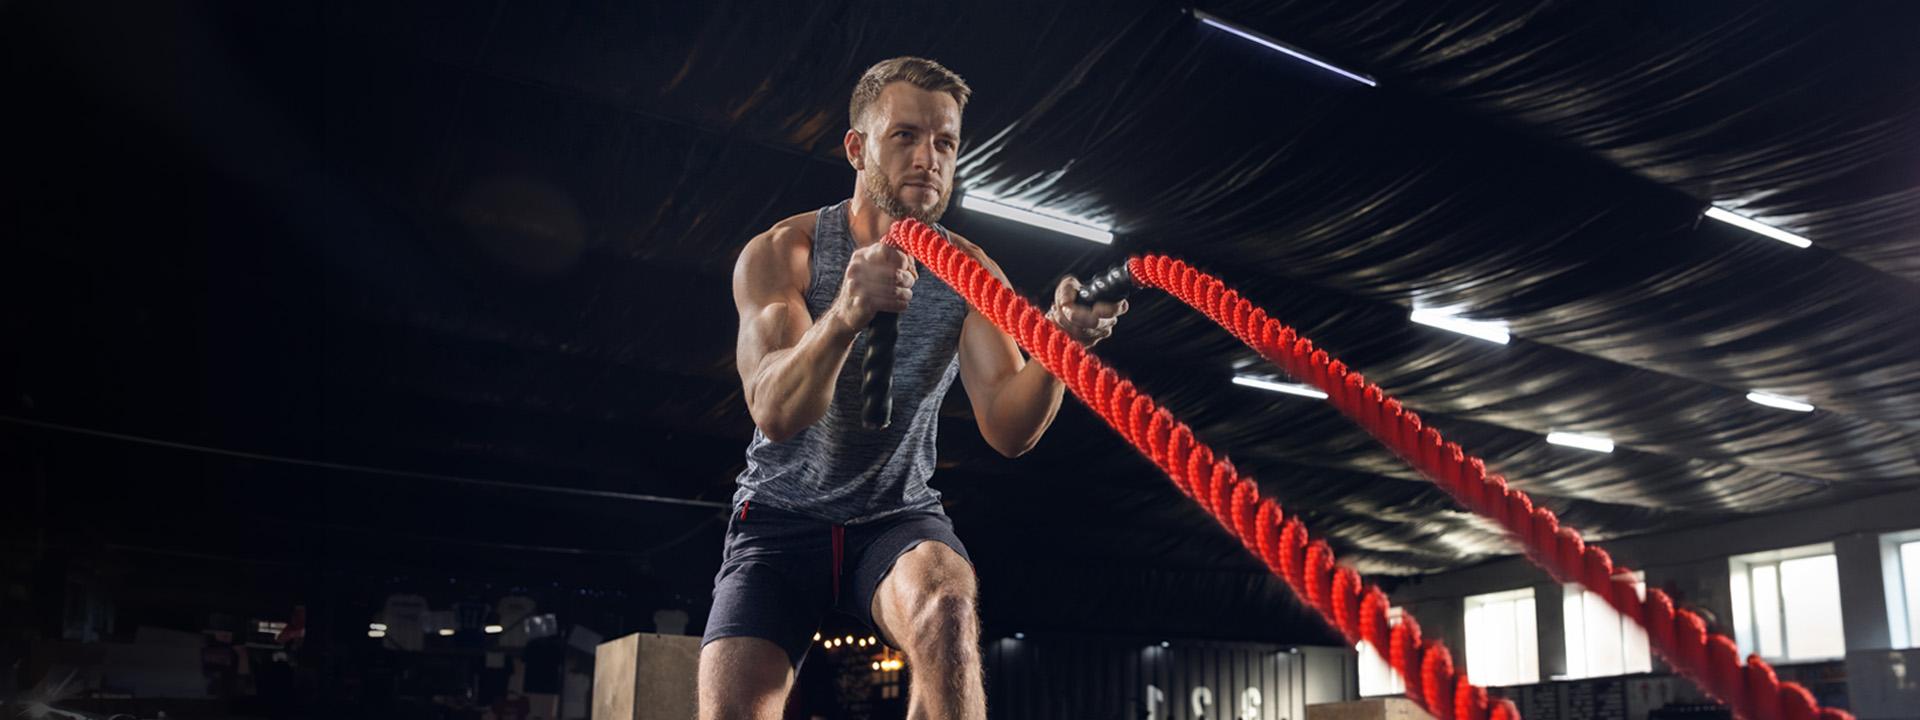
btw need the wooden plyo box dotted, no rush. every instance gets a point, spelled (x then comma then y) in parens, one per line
(644, 676)
(1380, 708)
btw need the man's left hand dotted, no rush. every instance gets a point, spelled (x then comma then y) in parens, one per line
(1086, 324)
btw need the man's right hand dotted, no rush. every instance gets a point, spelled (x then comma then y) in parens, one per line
(879, 279)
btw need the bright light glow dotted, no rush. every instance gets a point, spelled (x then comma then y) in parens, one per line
(1165, 644)
(495, 629)
(1584, 442)
(871, 639)
(876, 666)
(446, 632)
(1024, 212)
(1759, 227)
(377, 626)
(816, 636)
(863, 642)
(1023, 636)
(376, 633)
(1446, 320)
(1276, 45)
(1503, 644)
(1279, 387)
(1779, 402)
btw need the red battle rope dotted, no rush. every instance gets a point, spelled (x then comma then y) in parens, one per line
(1353, 606)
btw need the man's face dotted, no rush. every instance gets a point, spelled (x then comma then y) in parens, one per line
(909, 146)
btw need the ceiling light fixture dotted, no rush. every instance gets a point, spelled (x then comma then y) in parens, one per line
(1779, 402)
(1750, 224)
(1281, 47)
(1027, 213)
(1445, 320)
(1584, 442)
(1279, 387)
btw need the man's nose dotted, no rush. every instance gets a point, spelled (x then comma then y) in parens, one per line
(925, 157)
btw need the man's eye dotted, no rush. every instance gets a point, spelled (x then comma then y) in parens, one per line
(946, 145)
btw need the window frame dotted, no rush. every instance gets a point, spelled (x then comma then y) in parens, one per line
(1747, 630)
(1633, 638)
(1525, 657)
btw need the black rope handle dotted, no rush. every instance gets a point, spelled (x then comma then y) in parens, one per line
(1113, 285)
(876, 371)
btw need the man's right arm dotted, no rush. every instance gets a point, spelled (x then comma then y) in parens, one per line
(788, 362)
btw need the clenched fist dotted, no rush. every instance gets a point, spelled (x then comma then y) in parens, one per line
(879, 279)
(1086, 324)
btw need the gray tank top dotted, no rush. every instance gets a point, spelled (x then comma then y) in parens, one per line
(836, 470)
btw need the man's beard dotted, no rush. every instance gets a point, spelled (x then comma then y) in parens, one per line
(885, 194)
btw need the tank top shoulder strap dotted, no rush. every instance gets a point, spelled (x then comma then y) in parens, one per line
(832, 247)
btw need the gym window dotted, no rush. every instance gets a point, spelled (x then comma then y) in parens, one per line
(1376, 676)
(1900, 558)
(1600, 642)
(1503, 643)
(1785, 604)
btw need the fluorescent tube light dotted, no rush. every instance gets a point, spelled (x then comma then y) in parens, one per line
(1279, 387)
(1584, 442)
(446, 631)
(1021, 212)
(495, 629)
(376, 633)
(1779, 402)
(1483, 329)
(1284, 48)
(1759, 227)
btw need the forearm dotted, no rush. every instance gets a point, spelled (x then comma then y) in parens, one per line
(793, 387)
(1022, 410)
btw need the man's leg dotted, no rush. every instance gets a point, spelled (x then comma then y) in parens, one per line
(743, 678)
(925, 607)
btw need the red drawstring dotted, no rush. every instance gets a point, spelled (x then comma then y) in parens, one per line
(1355, 607)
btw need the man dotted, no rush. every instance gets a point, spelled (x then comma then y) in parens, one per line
(832, 514)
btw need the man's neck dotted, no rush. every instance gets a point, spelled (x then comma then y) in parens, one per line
(867, 223)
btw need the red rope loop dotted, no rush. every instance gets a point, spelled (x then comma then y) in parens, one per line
(1354, 607)
(1711, 661)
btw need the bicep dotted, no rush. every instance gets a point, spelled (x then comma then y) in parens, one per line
(988, 357)
(773, 313)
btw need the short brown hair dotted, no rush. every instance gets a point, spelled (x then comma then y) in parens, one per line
(921, 72)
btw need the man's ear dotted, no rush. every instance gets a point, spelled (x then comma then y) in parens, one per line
(854, 145)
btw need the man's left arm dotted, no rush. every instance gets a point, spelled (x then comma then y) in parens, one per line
(1014, 398)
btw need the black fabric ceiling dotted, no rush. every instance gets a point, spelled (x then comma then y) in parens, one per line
(494, 240)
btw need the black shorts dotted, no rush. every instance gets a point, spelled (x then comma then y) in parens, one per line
(782, 571)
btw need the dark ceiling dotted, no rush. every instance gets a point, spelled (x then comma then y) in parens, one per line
(493, 241)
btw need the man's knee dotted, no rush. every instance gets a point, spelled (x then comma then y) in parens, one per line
(947, 613)
(743, 678)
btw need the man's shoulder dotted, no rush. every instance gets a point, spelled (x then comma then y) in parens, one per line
(973, 251)
(794, 230)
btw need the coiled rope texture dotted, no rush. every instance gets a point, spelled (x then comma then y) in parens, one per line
(1356, 608)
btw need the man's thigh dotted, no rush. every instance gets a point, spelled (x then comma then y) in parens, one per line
(775, 581)
(895, 545)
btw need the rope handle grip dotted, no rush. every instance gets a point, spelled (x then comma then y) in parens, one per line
(876, 371)
(1113, 285)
